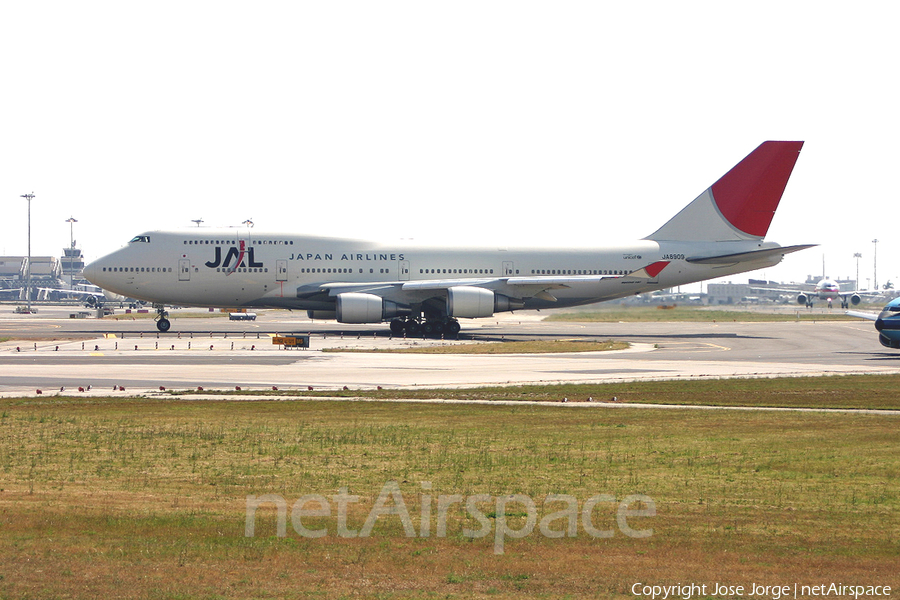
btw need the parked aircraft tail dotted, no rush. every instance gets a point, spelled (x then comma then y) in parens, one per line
(740, 205)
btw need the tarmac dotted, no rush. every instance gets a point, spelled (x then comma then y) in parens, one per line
(55, 354)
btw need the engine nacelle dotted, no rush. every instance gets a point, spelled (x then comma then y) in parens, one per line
(355, 307)
(802, 299)
(855, 299)
(473, 302)
(327, 315)
(505, 303)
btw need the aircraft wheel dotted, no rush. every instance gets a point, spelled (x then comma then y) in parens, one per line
(452, 327)
(412, 328)
(397, 326)
(163, 325)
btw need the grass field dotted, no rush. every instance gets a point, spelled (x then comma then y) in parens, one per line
(878, 392)
(148, 498)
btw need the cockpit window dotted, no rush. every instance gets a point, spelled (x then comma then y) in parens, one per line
(894, 307)
(140, 238)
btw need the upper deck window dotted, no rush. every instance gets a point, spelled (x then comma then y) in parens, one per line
(140, 238)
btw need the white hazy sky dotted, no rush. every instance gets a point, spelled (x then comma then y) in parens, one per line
(521, 122)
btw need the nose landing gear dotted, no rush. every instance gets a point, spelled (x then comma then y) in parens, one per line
(162, 318)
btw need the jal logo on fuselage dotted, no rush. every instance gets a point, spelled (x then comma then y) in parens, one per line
(234, 258)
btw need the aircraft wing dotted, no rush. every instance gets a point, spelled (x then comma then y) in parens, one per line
(861, 315)
(757, 288)
(525, 287)
(862, 293)
(515, 287)
(808, 291)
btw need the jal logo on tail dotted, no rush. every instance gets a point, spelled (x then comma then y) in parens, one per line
(234, 254)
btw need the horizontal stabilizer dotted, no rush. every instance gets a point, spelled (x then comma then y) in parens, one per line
(739, 257)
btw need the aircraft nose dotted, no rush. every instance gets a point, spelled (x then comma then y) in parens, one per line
(90, 272)
(887, 323)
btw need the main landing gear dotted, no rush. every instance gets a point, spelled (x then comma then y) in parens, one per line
(428, 327)
(162, 318)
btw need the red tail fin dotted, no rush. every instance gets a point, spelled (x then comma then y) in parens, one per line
(741, 204)
(748, 194)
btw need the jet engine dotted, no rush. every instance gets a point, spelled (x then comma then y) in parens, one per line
(802, 299)
(472, 302)
(353, 307)
(855, 299)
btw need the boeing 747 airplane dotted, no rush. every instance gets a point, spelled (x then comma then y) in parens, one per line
(422, 289)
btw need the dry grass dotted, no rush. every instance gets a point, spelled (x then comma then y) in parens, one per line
(701, 314)
(146, 498)
(875, 392)
(526, 347)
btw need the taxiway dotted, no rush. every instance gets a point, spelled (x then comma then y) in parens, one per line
(50, 351)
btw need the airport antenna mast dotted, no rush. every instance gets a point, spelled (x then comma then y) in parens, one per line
(28, 265)
(71, 256)
(70, 221)
(875, 241)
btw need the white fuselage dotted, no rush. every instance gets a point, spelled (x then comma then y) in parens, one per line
(827, 289)
(238, 268)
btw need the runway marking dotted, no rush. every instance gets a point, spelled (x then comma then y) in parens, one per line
(695, 347)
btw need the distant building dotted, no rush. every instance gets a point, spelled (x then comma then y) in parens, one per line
(12, 267)
(45, 267)
(728, 293)
(48, 274)
(72, 263)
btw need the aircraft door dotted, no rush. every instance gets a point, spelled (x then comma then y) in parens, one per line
(281, 270)
(508, 268)
(404, 270)
(184, 269)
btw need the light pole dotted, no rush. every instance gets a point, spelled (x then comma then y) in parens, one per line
(857, 256)
(28, 266)
(71, 221)
(875, 277)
